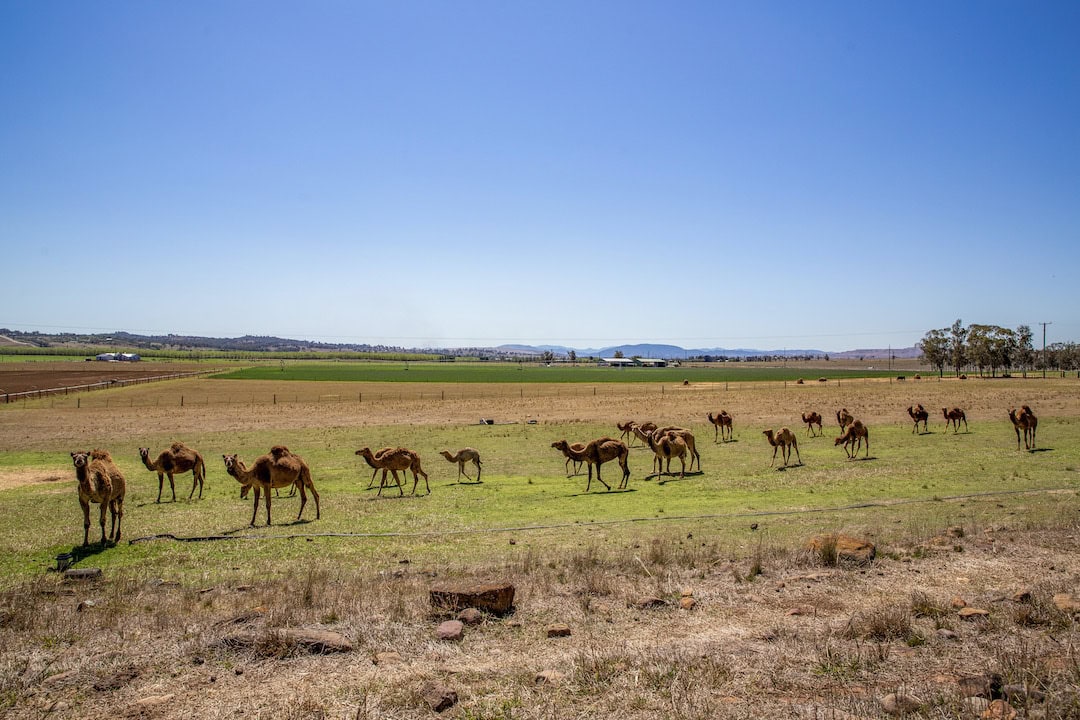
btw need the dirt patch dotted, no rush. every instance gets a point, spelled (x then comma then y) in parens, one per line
(41, 376)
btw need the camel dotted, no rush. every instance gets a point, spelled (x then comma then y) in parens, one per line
(598, 452)
(782, 440)
(179, 458)
(652, 439)
(954, 417)
(397, 459)
(811, 419)
(919, 415)
(855, 433)
(1027, 422)
(844, 418)
(100, 481)
(277, 469)
(461, 457)
(372, 463)
(627, 429)
(671, 445)
(722, 425)
(573, 453)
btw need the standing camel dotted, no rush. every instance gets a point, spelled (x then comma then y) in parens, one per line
(627, 429)
(1027, 422)
(598, 452)
(954, 417)
(397, 459)
(573, 453)
(919, 415)
(855, 433)
(844, 418)
(671, 445)
(811, 419)
(463, 456)
(652, 439)
(372, 463)
(722, 427)
(782, 440)
(277, 469)
(100, 481)
(178, 458)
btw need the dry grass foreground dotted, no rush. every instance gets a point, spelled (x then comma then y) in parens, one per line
(777, 634)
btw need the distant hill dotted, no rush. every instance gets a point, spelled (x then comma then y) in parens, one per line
(261, 343)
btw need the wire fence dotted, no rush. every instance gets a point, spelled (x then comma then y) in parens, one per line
(38, 394)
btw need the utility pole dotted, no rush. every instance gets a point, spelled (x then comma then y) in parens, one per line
(1044, 324)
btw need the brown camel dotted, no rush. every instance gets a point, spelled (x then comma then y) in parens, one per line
(671, 445)
(397, 459)
(1027, 422)
(844, 418)
(371, 463)
(919, 415)
(100, 481)
(954, 417)
(598, 452)
(721, 426)
(627, 429)
(573, 453)
(461, 457)
(179, 458)
(811, 419)
(855, 433)
(277, 469)
(652, 439)
(782, 440)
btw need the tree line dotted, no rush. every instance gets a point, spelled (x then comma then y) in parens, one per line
(991, 349)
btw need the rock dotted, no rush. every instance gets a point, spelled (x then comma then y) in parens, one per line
(59, 678)
(495, 598)
(975, 686)
(999, 710)
(387, 658)
(687, 603)
(451, 630)
(85, 605)
(1066, 603)
(283, 641)
(316, 641)
(848, 549)
(900, 704)
(471, 616)
(438, 696)
(1022, 596)
(686, 592)
(153, 701)
(1017, 693)
(970, 613)
(558, 630)
(549, 677)
(977, 705)
(797, 611)
(648, 602)
(946, 634)
(958, 602)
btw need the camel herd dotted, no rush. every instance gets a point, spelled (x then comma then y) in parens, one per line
(101, 482)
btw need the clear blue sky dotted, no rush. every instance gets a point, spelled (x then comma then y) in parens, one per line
(830, 175)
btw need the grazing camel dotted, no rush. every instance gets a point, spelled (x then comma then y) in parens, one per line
(372, 463)
(671, 445)
(919, 415)
(277, 469)
(179, 458)
(397, 459)
(463, 456)
(844, 418)
(652, 438)
(855, 433)
(722, 428)
(100, 481)
(627, 429)
(598, 452)
(811, 419)
(1027, 422)
(954, 417)
(782, 440)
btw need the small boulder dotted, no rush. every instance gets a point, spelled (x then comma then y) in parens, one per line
(958, 602)
(900, 704)
(556, 630)
(549, 677)
(451, 630)
(471, 616)
(316, 641)
(387, 658)
(971, 613)
(687, 603)
(848, 549)
(438, 696)
(495, 598)
(154, 701)
(999, 710)
(1067, 603)
(648, 602)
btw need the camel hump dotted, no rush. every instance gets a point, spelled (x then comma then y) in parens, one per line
(279, 451)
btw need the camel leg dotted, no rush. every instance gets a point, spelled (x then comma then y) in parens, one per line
(104, 509)
(118, 516)
(478, 471)
(796, 446)
(86, 521)
(161, 482)
(373, 474)
(600, 479)
(255, 509)
(773, 462)
(194, 482)
(172, 486)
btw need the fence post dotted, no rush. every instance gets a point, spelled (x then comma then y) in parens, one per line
(181, 401)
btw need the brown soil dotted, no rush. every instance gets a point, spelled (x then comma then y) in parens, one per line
(48, 375)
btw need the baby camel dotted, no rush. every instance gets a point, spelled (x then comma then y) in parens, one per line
(855, 433)
(919, 415)
(782, 440)
(100, 481)
(463, 456)
(954, 417)
(178, 458)
(811, 419)
(722, 425)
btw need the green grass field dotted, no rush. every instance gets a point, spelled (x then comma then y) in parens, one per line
(532, 373)
(908, 483)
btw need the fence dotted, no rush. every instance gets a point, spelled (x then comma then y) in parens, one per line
(71, 389)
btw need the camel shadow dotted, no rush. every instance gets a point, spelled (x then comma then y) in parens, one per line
(81, 552)
(789, 466)
(1041, 450)
(863, 459)
(612, 491)
(926, 432)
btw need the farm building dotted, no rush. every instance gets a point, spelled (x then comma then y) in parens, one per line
(118, 357)
(632, 362)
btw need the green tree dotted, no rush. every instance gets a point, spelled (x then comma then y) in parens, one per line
(957, 346)
(618, 353)
(1025, 351)
(935, 349)
(571, 356)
